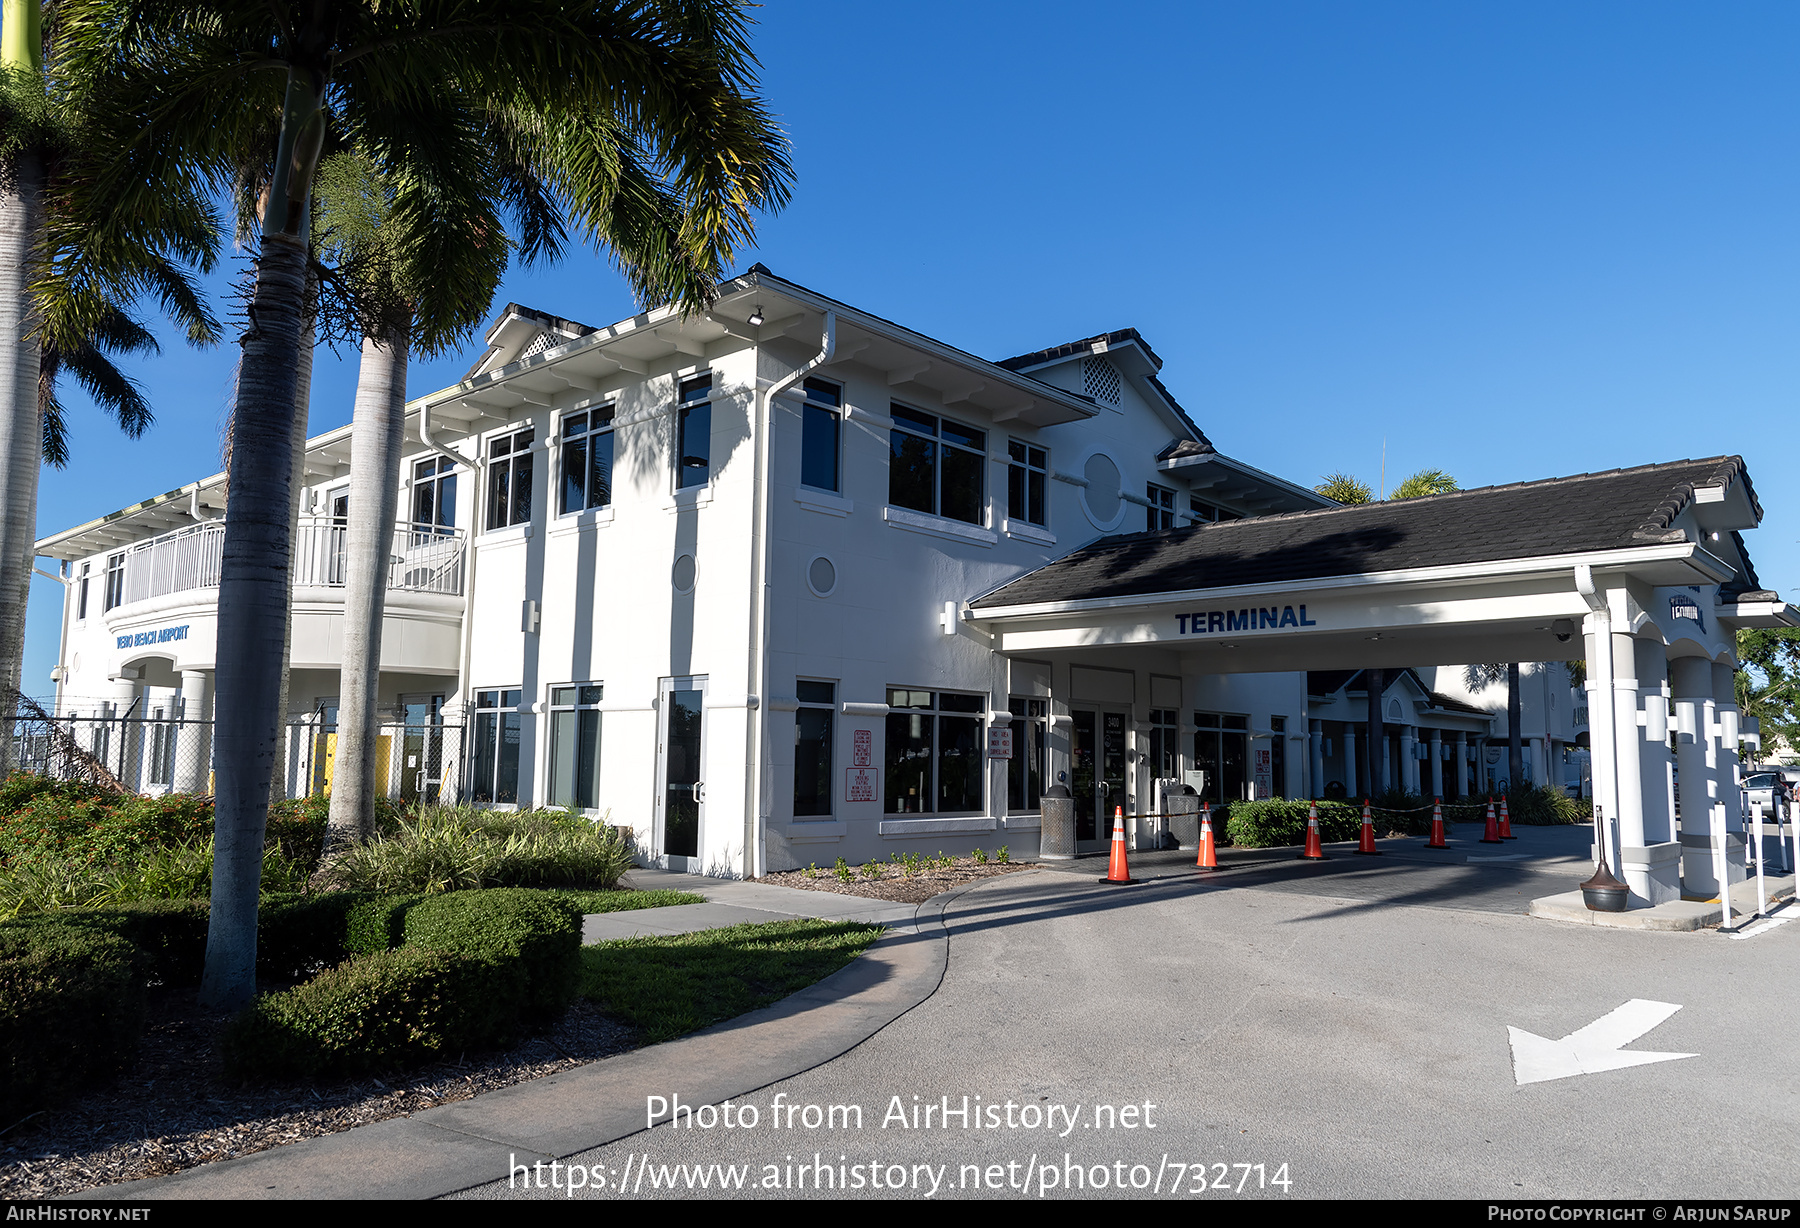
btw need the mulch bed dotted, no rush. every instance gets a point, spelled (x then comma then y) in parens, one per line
(175, 1109)
(890, 881)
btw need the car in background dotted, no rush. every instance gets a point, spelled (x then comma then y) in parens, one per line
(1765, 786)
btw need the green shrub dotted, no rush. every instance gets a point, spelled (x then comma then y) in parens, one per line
(376, 923)
(455, 848)
(1281, 821)
(71, 1011)
(541, 933)
(169, 935)
(400, 1007)
(297, 935)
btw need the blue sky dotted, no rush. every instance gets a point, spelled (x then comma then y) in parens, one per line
(1512, 240)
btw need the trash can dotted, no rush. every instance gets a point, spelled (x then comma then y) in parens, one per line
(1183, 808)
(1056, 825)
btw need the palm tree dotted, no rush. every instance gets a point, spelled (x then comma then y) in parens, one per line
(188, 86)
(1425, 482)
(42, 135)
(1342, 488)
(1479, 678)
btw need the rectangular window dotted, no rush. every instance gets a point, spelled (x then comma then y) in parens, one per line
(1222, 751)
(115, 581)
(1161, 512)
(937, 466)
(81, 593)
(509, 479)
(1027, 472)
(1025, 773)
(1202, 510)
(587, 460)
(812, 748)
(496, 747)
(575, 746)
(434, 495)
(693, 433)
(819, 433)
(935, 755)
(1165, 744)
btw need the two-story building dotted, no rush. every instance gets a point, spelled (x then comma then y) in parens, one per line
(779, 582)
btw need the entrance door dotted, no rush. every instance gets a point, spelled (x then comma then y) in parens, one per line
(422, 747)
(681, 793)
(1097, 770)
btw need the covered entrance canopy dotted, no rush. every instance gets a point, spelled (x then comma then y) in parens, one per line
(1647, 565)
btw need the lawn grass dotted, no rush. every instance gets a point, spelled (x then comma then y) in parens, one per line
(670, 986)
(622, 900)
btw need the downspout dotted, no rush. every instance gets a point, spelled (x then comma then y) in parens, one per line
(194, 507)
(468, 596)
(759, 589)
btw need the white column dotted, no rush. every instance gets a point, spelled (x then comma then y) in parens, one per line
(1690, 680)
(1437, 763)
(1652, 857)
(193, 743)
(1350, 760)
(1409, 759)
(125, 749)
(1315, 740)
(1462, 764)
(1596, 630)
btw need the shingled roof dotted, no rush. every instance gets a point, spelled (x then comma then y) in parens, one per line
(1615, 510)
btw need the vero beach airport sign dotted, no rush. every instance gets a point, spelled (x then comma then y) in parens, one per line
(1255, 618)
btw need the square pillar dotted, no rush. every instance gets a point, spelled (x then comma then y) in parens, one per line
(1409, 759)
(1315, 745)
(193, 741)
(1350, 790)
(1437, 763)
(1690, 682)
(1725, 770)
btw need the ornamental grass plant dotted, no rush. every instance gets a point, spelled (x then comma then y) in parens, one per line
(437, 849)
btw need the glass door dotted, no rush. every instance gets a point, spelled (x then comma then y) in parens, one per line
(422, 747)
(1097, 759)
(681, 793)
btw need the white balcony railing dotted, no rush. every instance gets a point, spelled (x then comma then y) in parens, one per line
(421, 560)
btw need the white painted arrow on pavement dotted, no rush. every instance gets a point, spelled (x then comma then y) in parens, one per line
(1599, 1046)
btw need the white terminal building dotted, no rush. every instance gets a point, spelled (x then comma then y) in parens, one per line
(784, 582)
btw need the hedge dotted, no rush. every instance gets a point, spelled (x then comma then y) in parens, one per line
(474, 967)
(71, 1011)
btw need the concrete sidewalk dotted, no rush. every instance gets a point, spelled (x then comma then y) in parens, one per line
(459, 1145)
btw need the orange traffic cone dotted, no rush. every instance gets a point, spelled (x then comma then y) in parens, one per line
(1505, 823)
(1314, 850)
(1492, 834)
(1116, 872)
(1367, 844)
(1437, 825)
(1209, 854)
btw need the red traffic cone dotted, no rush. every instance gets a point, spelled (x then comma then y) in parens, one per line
(1492, 834)
(1367, 845)
(1314, 850)
(1116, 872)
(1505, 823)
(1437, 825)
(1209, 854)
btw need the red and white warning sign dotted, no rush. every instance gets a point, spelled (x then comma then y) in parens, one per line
(862, 748)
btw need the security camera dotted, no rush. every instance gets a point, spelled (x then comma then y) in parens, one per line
(1564, 629)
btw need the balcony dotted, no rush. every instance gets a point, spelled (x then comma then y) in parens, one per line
(421, 560)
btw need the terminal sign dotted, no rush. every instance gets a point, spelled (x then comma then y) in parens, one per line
(1256, 618)
(137, 639)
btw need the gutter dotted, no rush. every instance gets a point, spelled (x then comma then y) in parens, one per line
(760, 551)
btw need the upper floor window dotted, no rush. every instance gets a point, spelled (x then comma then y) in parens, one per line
(115, 581)
(1027, 470)
(81, 593)
(937, 466)
(1202, 510)
(509, 479)
(434, 494)
(819, 433)
(587, 460)
(693, 433)
(1161, 512)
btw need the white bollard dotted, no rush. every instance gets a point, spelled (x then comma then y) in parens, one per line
(1794, 833)
(1762, 895)
(1723, 863)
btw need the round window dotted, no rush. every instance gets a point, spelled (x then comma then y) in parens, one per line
(821, 576)
(1101, 495)
(683, 574)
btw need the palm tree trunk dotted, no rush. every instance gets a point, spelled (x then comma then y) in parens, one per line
(255, 567)
(297, 439)
(375, 436)
(21, 425)
(1515, 754)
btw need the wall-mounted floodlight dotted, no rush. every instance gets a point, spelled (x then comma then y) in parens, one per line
(756, 316)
